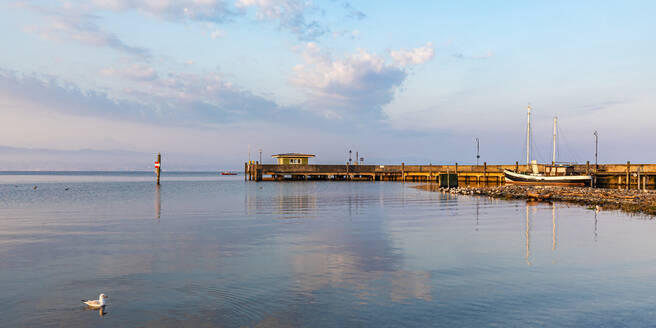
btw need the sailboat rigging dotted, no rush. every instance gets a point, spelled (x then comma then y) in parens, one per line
(562, 175)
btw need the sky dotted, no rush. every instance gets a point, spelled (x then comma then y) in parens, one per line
(202, 81)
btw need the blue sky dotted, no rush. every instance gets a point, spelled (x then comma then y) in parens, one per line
(398, 81)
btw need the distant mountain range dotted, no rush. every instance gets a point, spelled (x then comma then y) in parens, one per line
(31, 159)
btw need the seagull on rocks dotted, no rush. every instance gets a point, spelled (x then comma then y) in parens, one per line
(96, 304)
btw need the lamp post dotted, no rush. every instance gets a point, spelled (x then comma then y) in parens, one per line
(260, 150)
(478, 155)
(596, 135)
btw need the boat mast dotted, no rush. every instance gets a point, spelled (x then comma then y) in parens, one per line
(528, 139)
(553, 154)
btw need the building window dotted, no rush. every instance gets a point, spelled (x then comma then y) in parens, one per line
(294, 161)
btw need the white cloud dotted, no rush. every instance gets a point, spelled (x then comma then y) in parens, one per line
(217, 34)
(137, 72)
(414, 56)
(201, 10)
(290, 15)
(295, 16)
(72, 25)
(359, 83)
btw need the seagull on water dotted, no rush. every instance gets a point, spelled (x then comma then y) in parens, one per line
(96, 304)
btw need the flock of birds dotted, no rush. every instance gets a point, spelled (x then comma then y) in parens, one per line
(35, 187)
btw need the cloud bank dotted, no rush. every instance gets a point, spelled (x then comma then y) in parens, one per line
(176, 99)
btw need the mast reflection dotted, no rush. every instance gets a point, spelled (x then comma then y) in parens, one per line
(528, 236)
(596, 211)
(553, 223)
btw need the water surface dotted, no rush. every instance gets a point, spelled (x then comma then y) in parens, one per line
(207, 250)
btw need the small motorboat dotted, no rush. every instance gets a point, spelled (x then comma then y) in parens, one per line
(228, 173)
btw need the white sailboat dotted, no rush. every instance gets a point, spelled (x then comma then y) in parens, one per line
(557, 175)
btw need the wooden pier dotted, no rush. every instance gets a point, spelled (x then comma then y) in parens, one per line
(622, 176)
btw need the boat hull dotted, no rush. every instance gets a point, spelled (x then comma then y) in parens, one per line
(525, 179)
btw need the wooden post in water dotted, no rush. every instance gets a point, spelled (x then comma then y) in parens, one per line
(485, 172)
(158, 166)
(516, 167)
(430, 172)
(638, 181)
(245, 171)
(587, 168)
(448, 177)
(628, 175)
(403, 171)
(347, 171)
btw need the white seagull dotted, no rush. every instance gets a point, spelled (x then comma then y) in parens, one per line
(95, 304)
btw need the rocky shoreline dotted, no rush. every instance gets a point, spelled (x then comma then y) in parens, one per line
(632, 201)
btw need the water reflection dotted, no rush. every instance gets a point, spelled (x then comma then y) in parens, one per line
(553, 223)
(358, 254)
(296, 204)
(527, 231)
(101, 310)
(291, 200)
(528, 236)
(322, 269)
(158, 202)
(477, 212)
(596, 211)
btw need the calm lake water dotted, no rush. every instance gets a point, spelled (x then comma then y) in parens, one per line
(206, 250)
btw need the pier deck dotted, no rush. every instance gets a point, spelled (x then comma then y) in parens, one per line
(632, 176)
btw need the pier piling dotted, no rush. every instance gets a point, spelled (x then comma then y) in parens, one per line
(628, 175)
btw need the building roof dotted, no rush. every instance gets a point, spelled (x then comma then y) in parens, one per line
(294, 155)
